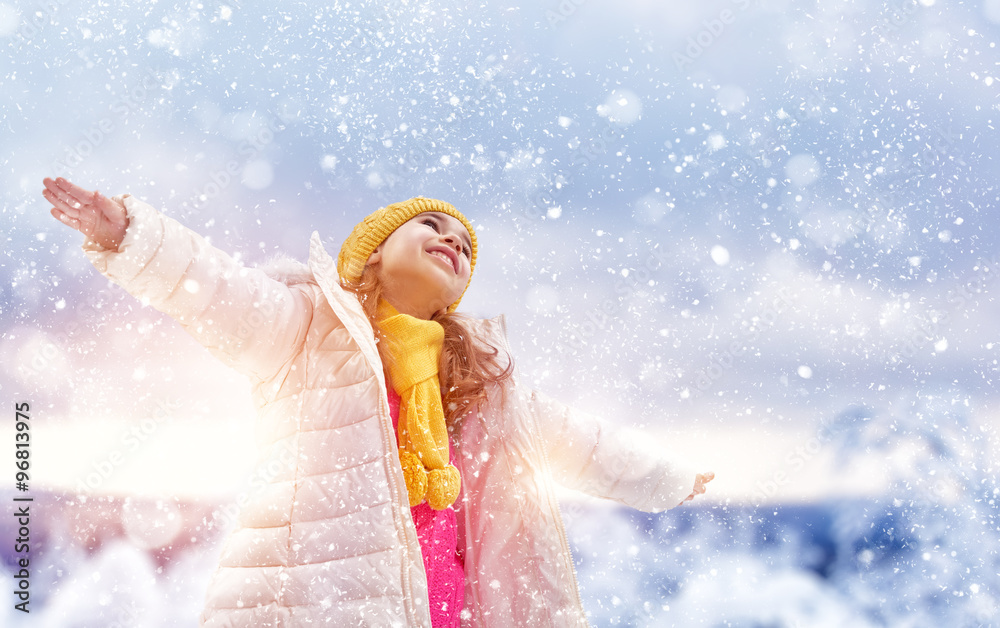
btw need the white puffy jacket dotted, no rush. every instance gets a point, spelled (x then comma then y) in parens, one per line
(330, 540)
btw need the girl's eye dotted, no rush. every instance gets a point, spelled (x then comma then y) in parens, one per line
(433, 224)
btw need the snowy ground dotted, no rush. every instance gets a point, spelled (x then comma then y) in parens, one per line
(836, 564)
(849, 563)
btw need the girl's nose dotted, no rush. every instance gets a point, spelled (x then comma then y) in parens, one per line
(453, 241)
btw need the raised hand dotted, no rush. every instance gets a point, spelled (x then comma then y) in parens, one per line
(700, 481)
(91, 213)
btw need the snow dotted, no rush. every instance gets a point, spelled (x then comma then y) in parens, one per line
(10, 19)
(622, 106)
(802, 170)
(720, 255)
(765, 230)
(830, 564)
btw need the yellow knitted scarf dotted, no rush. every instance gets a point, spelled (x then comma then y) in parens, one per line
(422, 434)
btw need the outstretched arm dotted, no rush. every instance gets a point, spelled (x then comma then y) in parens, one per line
(245, 318)
(604, 460)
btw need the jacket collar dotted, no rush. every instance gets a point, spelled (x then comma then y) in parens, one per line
(345, 305)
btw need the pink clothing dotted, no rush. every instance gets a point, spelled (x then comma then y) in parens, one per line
(437, 531)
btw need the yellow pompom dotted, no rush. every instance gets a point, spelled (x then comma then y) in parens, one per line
(415, 476)
(442, 487)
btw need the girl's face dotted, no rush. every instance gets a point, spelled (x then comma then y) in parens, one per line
(424, 264)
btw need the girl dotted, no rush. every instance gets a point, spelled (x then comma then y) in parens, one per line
(417, 473)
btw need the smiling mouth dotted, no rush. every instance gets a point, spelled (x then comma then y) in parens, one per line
(443, 256)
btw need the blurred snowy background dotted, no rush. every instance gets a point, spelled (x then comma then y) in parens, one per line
(764, 231)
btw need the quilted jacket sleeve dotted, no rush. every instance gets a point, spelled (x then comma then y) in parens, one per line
(604, 460)
(248, 320)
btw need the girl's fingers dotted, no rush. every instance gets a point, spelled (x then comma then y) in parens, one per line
(90, 213)
(63, 195)
(74, 198)
(61, 203)
(700, 480)
(50, 184)
(83, 219)
(74, 190)
(53, 186)
(63, 218)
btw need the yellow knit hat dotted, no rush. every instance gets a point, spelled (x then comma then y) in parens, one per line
(377, 226)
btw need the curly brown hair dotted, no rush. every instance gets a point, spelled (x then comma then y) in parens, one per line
(468, 365)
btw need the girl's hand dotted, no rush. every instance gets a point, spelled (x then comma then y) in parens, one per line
(90, 213)
(700, 481)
